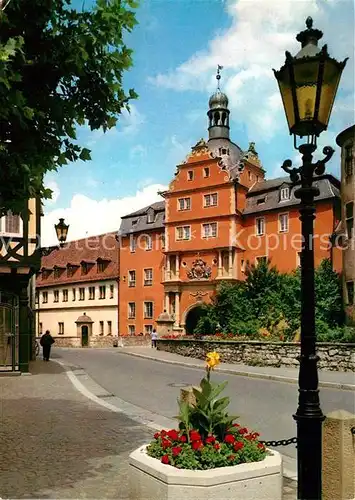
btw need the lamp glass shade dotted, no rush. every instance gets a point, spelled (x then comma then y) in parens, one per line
(62, 230)
(331, 79)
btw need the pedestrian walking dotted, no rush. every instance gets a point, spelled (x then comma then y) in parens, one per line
(46, 342)
(154, 337)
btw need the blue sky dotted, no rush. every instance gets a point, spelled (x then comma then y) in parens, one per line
(177, 46)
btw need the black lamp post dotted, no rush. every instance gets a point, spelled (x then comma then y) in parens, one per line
(308, 83)
(62, 232)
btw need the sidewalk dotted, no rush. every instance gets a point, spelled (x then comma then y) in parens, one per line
(334, 380)
(57, 444)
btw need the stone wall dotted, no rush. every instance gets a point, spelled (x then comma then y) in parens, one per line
(333, 357)
(103, 341)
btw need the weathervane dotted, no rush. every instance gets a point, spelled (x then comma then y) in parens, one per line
(218, 76)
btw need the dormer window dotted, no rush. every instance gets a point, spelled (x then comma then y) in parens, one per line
(260, 201)
(101, 265)
(284, 194)
(134, 222)
(150, 216)
(223, 151)
(57, 272)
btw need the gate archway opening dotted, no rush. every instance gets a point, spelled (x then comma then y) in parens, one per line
(192, 318)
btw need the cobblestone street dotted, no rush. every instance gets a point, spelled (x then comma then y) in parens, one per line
(55, 443)
(58, 444)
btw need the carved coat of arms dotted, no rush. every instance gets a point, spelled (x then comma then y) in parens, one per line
(200, 270)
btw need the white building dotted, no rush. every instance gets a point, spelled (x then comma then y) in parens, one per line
(77, 292)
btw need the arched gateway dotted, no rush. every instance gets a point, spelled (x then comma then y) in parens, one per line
(192, 317)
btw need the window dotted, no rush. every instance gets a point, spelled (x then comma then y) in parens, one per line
(131, 279)
(112, 291)
(148, 329)
(57, 272)
(131, 310)
(183, 233)
(60, 328)
(299, 259)
(348, 162)
(209, 230)
(349, 217)
(37, 298)
(84, 268)
(261, 260)
(101, 266)
(65, 295)
(260, 226)
(81, 293)
(184, 204)
(101, 328)
(210, 200)
(44, 297)
(206, 172)
(285, 194)
(190, 175)
(261, 201)
(163, 241)
(148, 310)
(242, 265)
(56, 295)
(131, 330)
(74, 294)
(109, 328)
(132, 244)
(102, 292)
(249, 175)
(148, 277)
(350, 292)
(148, 242)
(91, 292)
(12, 223)
(283, 223)
(40, 329)
(150, 216)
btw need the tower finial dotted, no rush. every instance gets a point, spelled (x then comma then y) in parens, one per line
(218, 76)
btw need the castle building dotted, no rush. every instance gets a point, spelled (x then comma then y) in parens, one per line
(218, 214)
(346, 141)
(77, 291)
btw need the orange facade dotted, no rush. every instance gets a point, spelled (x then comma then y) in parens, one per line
(218, 214)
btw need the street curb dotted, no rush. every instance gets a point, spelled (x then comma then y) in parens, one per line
(240, 373)
(148, 422)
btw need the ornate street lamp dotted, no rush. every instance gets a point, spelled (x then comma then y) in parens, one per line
(62, 231)
(308, 83)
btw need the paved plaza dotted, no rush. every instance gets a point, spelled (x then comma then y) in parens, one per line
(56, 443)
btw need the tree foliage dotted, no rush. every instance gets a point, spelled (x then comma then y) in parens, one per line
(270, 302)
(59, 68)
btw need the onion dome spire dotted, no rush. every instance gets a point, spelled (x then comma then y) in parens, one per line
(218, 112)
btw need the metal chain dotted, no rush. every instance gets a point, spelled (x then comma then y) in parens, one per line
(282, 442)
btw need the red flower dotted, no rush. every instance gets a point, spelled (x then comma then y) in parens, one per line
(196, 445)
(157, 435)
(210, 440)
(261, 446)
(238, 446)
(195, 436)
(165, 443)
(229, 439)
(165, 459)
(235, 425)
(217, 446)
(163, 433)
(231, 457)
(243, 430)
(249, 437)
(256, 435)
(173, 434)
(183, 439)
(176, 450)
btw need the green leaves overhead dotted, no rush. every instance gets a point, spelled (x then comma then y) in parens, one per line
(59, 68)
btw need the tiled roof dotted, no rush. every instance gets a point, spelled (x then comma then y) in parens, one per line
(104, 247)
(138, 221)
(265, 195)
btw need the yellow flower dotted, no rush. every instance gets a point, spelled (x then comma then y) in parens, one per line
(212, 360)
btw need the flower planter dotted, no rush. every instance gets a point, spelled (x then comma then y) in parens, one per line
(152, 480)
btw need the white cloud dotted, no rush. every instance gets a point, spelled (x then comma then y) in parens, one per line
(138, 152)
(260, 32)
(55, 192)
(88, 217)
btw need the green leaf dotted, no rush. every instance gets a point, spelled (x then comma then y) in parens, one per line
(85, 154)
